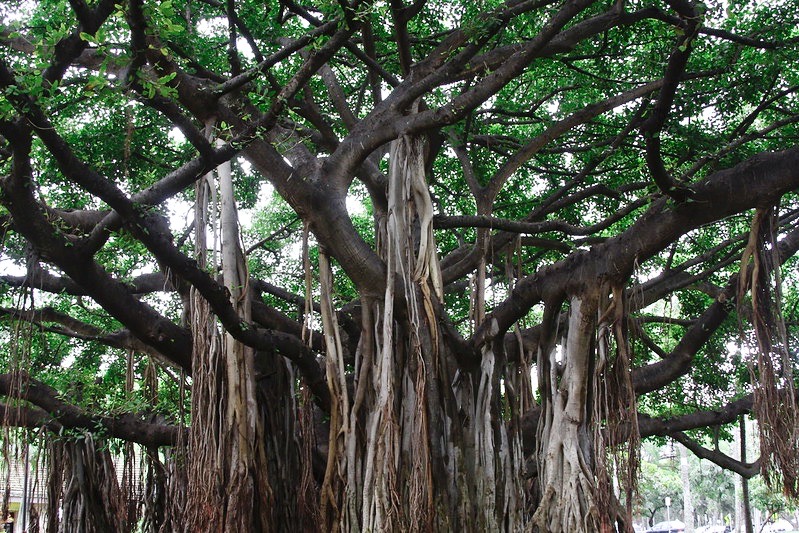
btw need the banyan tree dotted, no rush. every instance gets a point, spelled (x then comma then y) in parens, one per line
(391, 266)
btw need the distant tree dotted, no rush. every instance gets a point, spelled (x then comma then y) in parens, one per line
(772, 505)
(660, 479)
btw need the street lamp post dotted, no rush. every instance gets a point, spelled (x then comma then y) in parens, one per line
(668, 509)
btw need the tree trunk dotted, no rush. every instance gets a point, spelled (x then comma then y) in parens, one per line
(565, 446)
(587, 432)
(416, 446)
(687, 496)
(747, 504)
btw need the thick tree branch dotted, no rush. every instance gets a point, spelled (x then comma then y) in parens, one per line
(402, 15)
(135, 427)
(45, 281)
(649, 426)
(149, 326)
(673, 427)
(766, 177)
(71, 327)
(70, 47)
(388, 121)
(651, 129)
(746, 470)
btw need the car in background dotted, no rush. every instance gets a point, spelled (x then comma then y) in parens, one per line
(713, 529)
(778, 526)
(671, 526)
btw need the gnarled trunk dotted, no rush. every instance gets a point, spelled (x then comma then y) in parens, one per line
(419, 446)
(588, 426)
(565, 445)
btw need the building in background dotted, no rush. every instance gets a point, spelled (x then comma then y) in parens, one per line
(27, 496)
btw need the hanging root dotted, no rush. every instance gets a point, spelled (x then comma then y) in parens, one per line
(131, 486)
(229, 487)
(91, 499)
(772, 371)
(339, 409)
(616, 441)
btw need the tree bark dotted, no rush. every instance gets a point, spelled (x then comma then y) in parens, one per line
(228, 481)
(564, 440)
(415, 445)
(747, 505)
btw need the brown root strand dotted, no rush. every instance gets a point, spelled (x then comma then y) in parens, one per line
(774, 404)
